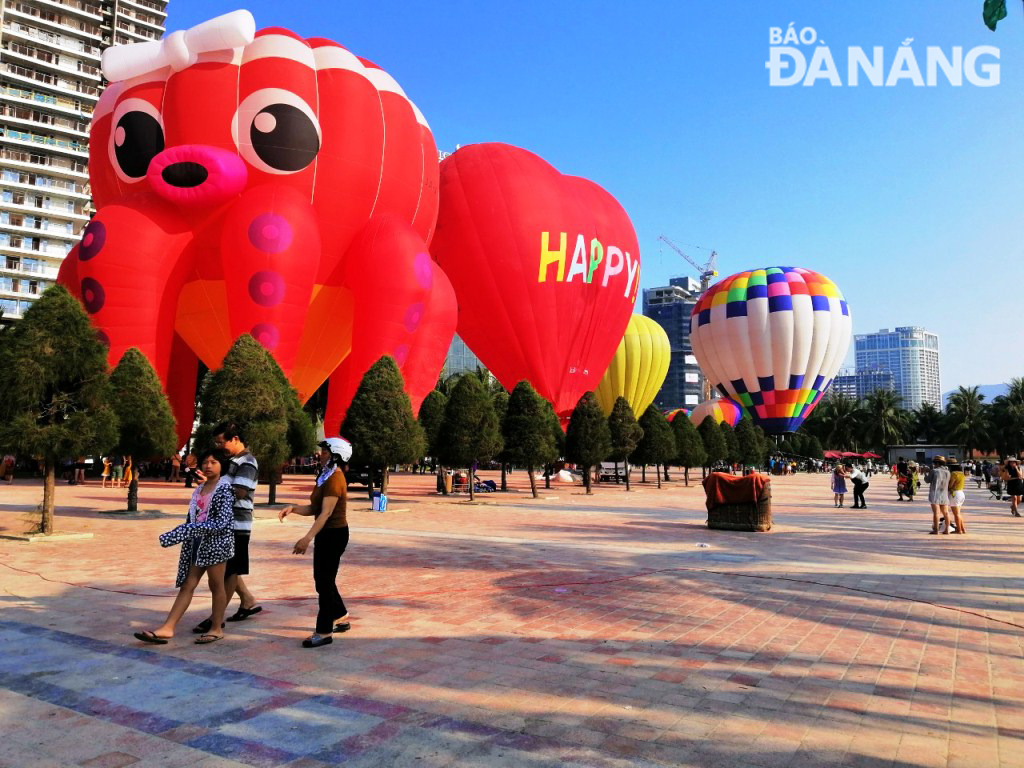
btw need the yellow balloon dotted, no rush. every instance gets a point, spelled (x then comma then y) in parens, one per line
(638, 368)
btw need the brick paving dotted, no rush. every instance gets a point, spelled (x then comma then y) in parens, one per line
(569, 630)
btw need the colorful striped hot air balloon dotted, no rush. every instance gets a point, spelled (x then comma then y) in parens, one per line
(670, 415)
(638, 368)
(721, 410)
(772, 339)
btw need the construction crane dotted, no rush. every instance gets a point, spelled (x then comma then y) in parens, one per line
(706, 272)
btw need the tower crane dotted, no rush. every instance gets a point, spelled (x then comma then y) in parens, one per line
(706, 272)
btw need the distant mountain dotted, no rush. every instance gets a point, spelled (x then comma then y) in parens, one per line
(990, 391)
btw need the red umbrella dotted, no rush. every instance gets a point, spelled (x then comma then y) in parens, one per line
(832, 455)
(870, 455)
(852, 455)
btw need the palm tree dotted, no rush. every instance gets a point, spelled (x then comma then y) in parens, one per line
(968, 419)
(837, 421)
(929, 423)
(885, 422)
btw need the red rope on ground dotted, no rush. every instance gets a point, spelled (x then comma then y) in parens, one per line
(540, 585)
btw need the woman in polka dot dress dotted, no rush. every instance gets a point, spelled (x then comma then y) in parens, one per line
(207, 544)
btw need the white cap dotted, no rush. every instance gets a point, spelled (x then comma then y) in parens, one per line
(339, 446)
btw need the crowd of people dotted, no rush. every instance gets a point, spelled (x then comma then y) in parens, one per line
(215, 538)
(945, 479)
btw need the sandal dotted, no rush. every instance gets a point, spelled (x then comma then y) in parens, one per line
(204, 626)
(244, 613)
(152, 638)
(207, 639)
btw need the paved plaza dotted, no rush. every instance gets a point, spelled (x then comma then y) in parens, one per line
(609, 630)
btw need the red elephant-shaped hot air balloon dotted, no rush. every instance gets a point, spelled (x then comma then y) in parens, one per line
(250, 182)
(545, 266)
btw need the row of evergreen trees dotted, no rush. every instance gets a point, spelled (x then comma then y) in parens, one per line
(58, 401)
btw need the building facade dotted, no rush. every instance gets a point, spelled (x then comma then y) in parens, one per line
(460, 359)
(670, 307)
(911, 354)
(860, 384)
(50, 81)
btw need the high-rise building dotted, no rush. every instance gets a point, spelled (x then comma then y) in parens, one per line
(460, 359)
(860, 384)
(50, 81)
(911, 354)
(670, 307)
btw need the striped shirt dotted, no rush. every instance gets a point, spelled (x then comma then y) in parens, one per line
(243, 472)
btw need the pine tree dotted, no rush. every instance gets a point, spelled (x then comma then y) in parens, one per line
(625, 434)
(814, 449)
(689, 446)
(557, 437)
(430, 418)
(247, 390)
(500, 398)
(658, 445)
(380, 424)
(526, 429)
(300, 435)
(54, 389)
(588, 441)
(714, 443)
(146, 422)
(764, 444)
(750, 449)
(732, 446)
(470, 432)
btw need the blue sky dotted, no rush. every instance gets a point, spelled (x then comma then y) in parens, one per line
(909, 198)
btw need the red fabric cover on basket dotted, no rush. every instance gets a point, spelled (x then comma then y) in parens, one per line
(722, 488)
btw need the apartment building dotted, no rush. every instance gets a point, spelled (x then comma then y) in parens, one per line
(50, 81)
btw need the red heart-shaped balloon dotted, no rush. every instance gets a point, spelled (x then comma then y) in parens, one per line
(545, 267)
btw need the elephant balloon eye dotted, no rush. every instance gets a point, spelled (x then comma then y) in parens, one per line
(138, 138)
(284, 137)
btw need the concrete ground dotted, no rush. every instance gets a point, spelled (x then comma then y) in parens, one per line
(609, 630)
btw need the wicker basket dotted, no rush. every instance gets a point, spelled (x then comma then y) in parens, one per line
(744, 517)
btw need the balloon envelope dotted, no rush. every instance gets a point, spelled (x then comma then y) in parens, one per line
(545, 268)
(638, 368)
(670, 415)
(721, 410)
(772, 339)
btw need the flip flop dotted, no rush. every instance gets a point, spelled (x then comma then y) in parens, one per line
(244, 613)
(148, 637)
(204, 626)
(207, 639)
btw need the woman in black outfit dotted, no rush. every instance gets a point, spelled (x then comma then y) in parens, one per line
(1014, 483)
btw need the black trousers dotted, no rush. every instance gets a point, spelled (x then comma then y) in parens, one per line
(328, 547)
(858, 493)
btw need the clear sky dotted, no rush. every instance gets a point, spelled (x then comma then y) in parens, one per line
(909, 198)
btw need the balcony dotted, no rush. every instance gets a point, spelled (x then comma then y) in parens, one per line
(36, 57)
(16, 118)
(149, 6)
(75, 7)
(49, 20)
(34, 162)
(33, 77)
(45, 228)
(39, 271)
(43, 185)
(138, 18)
(73, 148)
(52, 251)
(36, 99)
(59, 43)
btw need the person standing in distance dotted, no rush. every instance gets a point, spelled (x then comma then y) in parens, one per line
(243, 472)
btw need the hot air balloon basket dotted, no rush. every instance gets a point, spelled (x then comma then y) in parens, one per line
(749, 516)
